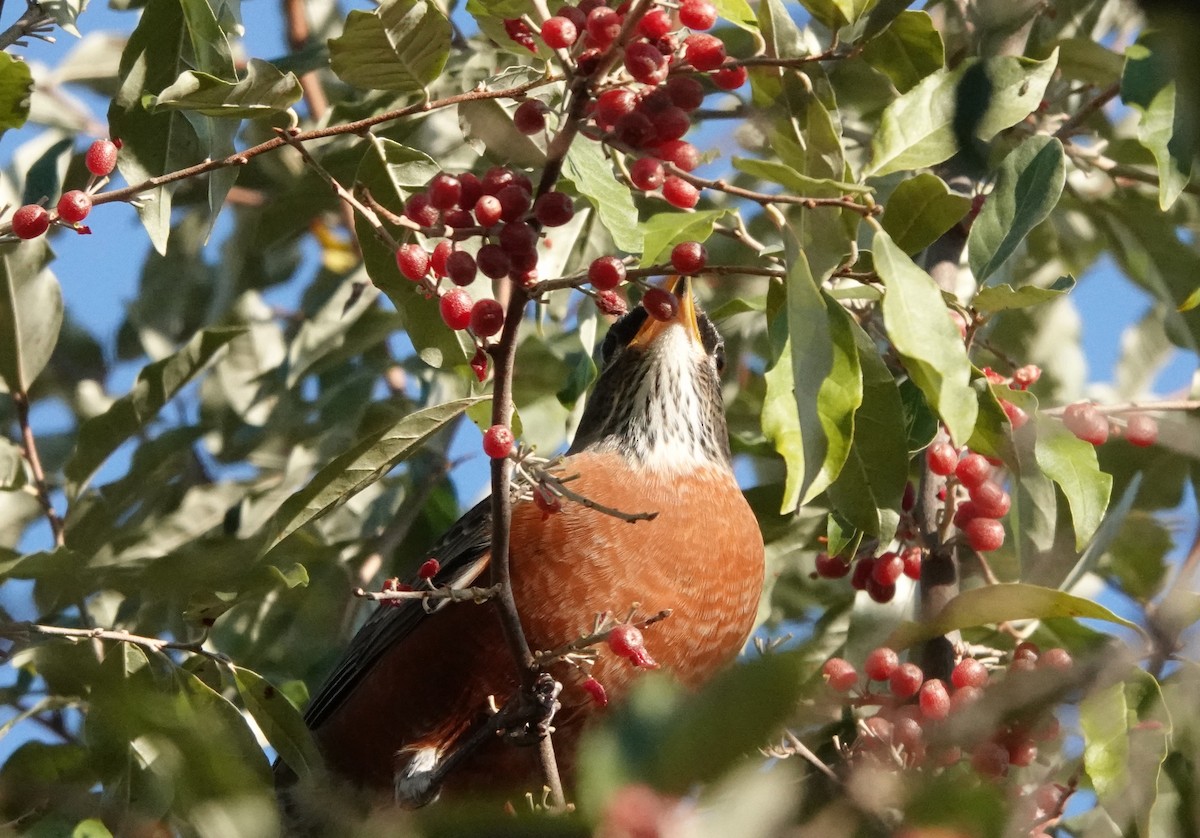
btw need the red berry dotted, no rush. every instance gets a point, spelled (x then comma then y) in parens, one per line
(972, 470)
(881, 663)
(1022, 751)
(964, 696)
(530, 116)
(645, 63)
(670, 123)
(487, 318)
(498, 441)
(912, 558)
(697, 14)
(984, 534)
(1016, 416)
(517, 237)
(479, 364)
(419, 209)
(492, 261)
(554, 209)
(688, 257)
(626, 641)
(1141, 430)
(879, 591)
(655, 24)
(960, 322)
(685, 92)
(441, 252)
(101, 157)
(606, 272)
(862, 573)
(444, 191)
(831, 567)
(704, 52)
(969, 673)
(934, 700)
(429, 569)
(941, 458)
(559, 32)
(1026, 651)
(661, 304)
(1026, 376)
(487, 210)
(30, 221)
(596, 691)
(990, 759)
(74, 206)
(413, 261)
(496, 178)
(455, 306)
(604, 25)
(1055, 658)
(990, 501)
(680, 153)
(471, 189)
(635, 130)
(839, 674)
(905, 680)
(514, 202)
(966, 511)
(613, 104)
(519, 31)
(460, 267)
(880, 730)
(887, 569)
(647, 173)
(908, 733)
(730, 78)
(1085, 422)
(610, 302)
(680, 193)
(994, 377)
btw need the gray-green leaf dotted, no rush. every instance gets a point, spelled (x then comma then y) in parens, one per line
(401, 46)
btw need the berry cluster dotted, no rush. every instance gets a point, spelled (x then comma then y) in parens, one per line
(909, 708)
(1085, 421)
(33, 220)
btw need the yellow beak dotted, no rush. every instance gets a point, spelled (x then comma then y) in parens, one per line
(681, 287)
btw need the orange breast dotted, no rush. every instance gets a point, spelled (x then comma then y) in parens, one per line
(702, 557)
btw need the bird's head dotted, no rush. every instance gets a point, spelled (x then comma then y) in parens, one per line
(658, 397)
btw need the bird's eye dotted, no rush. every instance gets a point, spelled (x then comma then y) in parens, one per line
(719, 357)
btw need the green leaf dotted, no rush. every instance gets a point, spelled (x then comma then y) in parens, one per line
(1148, 85)
(1028, 185)
(156, 384)
(31, 312)
(280, 721)
(1004, 297)
(591, 172)
(16, 86)
(737, 12)
(401, 46)
(91, 828)
(920, 210)
(782, 36)
(369, 458)
(664, 230)
(926, 340)
(43, 181)
(263, 91)
(1071, 463)
(907, 51)
(917, 130)
(1001, 603)
(870, 487)
(785, 175)
(1082, 59)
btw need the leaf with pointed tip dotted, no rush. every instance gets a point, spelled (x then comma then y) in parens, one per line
(281, 723)
(156, 384)
(785, 175)
(925, 338)
(262, 91)
(1002, 603)
(1148, 85)
(1071, 463)
(16, 85)
(367, 460)
(920, 209)
(664, 230)
(1004, 297)
(1028, 185)
(907, 51)
(591, 172)
(31, 312)
(401, 46)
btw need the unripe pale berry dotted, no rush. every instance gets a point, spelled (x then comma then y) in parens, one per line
(498, 441)
(74, 206)
(455, 306)
(1085, 422)
(30, 221)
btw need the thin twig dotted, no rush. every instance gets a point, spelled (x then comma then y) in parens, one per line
(34, 23)
(792, 746)
(24, 632)
(581, 278)
(442, 592)
(1086, 111)
(30, 450)
(587, 641)
(1133, 407)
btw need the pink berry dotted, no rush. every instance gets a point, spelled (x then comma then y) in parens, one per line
(688, 257)
(984, 534)
(1016, 416)
(74, 206)
(487, 318)
(661, 304)
(969, 673)
(595, 691)
(972, 470)
(679, 153)
(1055, 658)
(530, 116)
(1027, 375)
(905, 680)
(881, 663)
(990, 500)
(559, 32)
(730, 78)
(934, 700)
(455, 306)
(697, 14)
(704, 52)
(498, 441)
(413, 261)
(1085, 422)
(626, 641)
(429, 569)
(839, 674)
(1141, 430)
(680, 193)
(655, 24)
(101, 157)
(941, 458)
(30, 221)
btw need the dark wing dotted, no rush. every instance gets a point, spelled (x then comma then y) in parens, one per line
(463, 554)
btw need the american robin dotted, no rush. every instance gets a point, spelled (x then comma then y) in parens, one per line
(413, 685)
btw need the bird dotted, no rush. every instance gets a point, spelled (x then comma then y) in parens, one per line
(415, 680)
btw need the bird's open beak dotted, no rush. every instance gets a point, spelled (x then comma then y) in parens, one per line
(681, 287)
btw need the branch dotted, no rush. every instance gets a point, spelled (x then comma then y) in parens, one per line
(604, 627)
(29, 449)
(24, 632)
(1133, 407)
(581, 278)
(34, 23)
(1085, 112)
(442, 592)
